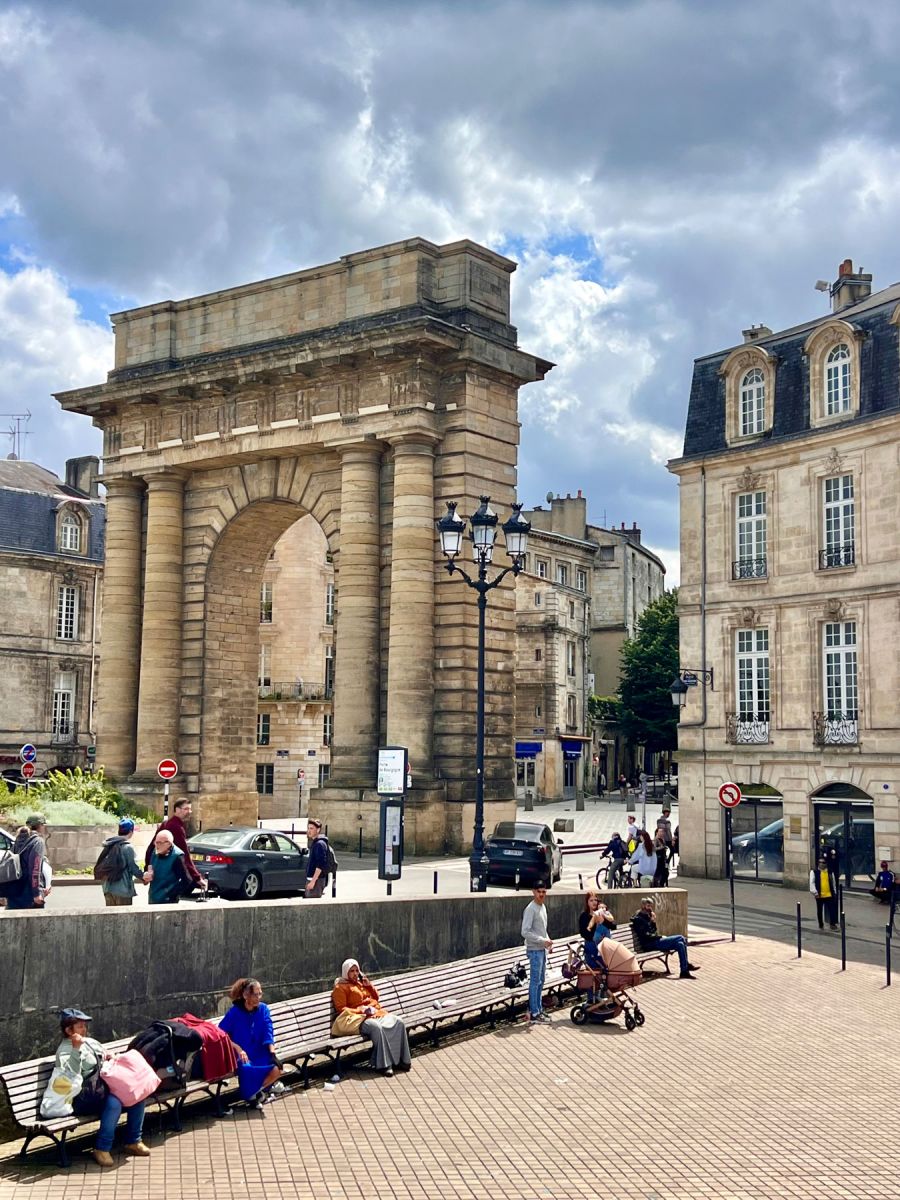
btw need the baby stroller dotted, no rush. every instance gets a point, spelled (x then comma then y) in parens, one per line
(605, 987)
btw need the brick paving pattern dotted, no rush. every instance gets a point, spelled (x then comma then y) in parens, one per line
(757, 1080)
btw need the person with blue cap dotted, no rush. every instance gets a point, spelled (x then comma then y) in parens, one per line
(117, 867)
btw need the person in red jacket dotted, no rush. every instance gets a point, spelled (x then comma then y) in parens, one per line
(176, 825)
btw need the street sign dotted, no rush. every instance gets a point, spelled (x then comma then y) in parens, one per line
(28, 753)
(167, 769)
(28, 769)
(91, 752)
(729, 795)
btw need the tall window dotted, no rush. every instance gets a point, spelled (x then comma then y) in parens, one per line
(571, 711)
(329, 604)
(265, 778)
(542, 568)
(327, 728)
(67, 613)
(324, 773)
(841, 692)
(537, 599)
(263, 729)
(839, 521)
(538, 654)
(837, 380)
(265, 603)
(63, 703)
(562, 574)
(265, 668)
(329, 670)
(581, 579)
(753, 402)
(750, 536)
(753, 674)
(570, 658)
(70, 533)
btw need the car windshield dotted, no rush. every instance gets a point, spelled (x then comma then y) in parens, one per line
(217, 837)
(515, 831)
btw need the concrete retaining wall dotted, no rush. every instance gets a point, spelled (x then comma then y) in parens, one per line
(127, 967)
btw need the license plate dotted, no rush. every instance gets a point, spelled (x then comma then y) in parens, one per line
(518, 853)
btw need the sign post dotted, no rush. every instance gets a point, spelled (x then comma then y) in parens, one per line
(392, 780)
(167, 770)
(730, 798)
(27, 754)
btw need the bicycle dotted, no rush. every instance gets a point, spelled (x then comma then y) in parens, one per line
(622, 879)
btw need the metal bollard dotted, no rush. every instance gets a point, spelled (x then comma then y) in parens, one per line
(359, 854)
(389, 888)
(580, 882)
(799, 945)
(517, 880)
(843, 941)
(334, 885)
(887, 954)
(435, 883)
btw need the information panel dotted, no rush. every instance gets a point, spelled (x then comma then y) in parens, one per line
(392, 771)
(390, 839)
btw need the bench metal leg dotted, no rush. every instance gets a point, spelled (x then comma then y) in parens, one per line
(176, 1112)
(305, 1074)
(59, 1143)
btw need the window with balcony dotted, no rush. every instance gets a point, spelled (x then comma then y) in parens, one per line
(581, 579)
(838, 725)
(67, 613)
(753, 402)
(327, 728)
(750, 536)
(265, 779)
(837, 380)
(749, 725)
(839, 519)
(70, 533)
(562, 574)
(329, 604)
(63, 704)
(263, 729)
(570, 658)
(265, 604)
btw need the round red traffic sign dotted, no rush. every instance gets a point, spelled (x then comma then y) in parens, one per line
(729, 795)
(167, 769)
(28, 769)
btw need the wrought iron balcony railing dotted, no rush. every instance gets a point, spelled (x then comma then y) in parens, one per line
(750, 568)
(836, 729)
(837, 556)
(64, 733)
(747, 729)
(295, 691)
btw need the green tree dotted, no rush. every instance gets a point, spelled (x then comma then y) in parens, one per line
(646, 714)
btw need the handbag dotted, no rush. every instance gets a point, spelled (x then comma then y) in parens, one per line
(129, 1077)
(347, 1023)
(64, 1086)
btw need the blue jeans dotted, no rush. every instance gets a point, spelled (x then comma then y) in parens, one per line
(675, 942)
(109, 1118)
(537, 969)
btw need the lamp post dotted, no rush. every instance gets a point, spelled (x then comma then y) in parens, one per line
(451, 529)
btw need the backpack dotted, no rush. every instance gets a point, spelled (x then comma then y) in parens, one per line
(169, 1047)
(331, 862)
(111, 865)
(10, 871)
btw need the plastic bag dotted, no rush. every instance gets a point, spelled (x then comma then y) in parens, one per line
(64, 1086)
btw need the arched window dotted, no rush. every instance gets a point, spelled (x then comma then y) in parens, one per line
(753, 402)
(837, 380)
(70, 533)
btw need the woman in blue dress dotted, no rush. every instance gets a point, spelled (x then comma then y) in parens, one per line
(249, 1025)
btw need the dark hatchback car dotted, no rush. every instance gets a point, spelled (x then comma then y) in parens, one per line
(524, 847)
(242, 864)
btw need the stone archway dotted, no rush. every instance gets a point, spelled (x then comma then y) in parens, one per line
(365, 392)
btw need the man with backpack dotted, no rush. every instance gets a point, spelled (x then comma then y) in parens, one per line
(29, 890)
(320, 860)
(117, 867)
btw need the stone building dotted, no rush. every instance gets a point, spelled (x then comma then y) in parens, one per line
(364, 393)
(790, 569)
(51, 567)
(295, 717)
(579, 598)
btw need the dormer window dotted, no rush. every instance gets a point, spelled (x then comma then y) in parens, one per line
(753, 402)
(70, 532)
(833, 354)
(749, 374)
(837, 380)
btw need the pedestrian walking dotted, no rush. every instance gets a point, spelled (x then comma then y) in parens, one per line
(118, 868)
(177, 826)
(823, 885)
(537, 947)
(167, 874)
(30, 890)
(316, 859)
(601, 784)
(623, 784)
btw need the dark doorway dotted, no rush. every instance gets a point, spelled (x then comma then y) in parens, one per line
(849, 826)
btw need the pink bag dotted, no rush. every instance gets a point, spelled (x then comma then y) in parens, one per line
(129, 1077)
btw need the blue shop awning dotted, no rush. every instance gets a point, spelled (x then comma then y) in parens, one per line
(528, 749)
(571, 749)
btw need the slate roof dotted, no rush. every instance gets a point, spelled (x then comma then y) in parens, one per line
(30, 496)
(879, 378)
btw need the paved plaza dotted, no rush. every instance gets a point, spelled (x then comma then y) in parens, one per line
(760, 1079)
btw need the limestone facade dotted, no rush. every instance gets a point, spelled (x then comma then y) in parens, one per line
(790, 592)
(51, 582)
(363, 393)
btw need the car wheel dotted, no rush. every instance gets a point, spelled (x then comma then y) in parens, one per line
(251, 886)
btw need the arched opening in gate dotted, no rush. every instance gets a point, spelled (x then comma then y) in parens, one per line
(265, 686)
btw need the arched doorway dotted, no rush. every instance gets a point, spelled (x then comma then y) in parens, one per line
(844, 818)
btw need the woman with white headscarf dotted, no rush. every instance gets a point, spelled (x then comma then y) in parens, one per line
(354, 1002)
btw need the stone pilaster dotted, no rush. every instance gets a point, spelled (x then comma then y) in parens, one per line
(410, 691)
(159, 697)
(356, 685)
(118, 682)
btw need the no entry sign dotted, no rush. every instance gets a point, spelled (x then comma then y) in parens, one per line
(167, 769)
(28, 769)
(729, 795)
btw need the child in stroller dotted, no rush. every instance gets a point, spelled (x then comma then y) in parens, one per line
(605, 987)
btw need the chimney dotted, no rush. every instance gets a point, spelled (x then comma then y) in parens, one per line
(850, 287)
(82, 475)
(633, 534)
(755, 332)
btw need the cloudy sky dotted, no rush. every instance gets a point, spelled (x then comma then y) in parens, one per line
(665, 172)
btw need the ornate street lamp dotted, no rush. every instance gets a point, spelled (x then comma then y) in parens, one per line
(484, 532)
(687, 679)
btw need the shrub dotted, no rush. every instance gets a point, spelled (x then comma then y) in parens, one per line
(76, 797)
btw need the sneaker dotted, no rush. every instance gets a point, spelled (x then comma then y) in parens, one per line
(277, 1088)
(389, 1073)
(544, 1018)
(138, 1150)
(686, 975)
(693, 967)
(102, 1158)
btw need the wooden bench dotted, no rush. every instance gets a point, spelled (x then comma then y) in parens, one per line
(625, 935)
(429, 999)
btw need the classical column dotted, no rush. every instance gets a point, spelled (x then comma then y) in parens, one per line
(117, 699)
(160, 690)
(410, 699)
(357, 632)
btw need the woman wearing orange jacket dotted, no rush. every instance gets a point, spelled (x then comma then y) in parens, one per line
(356, 1009)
